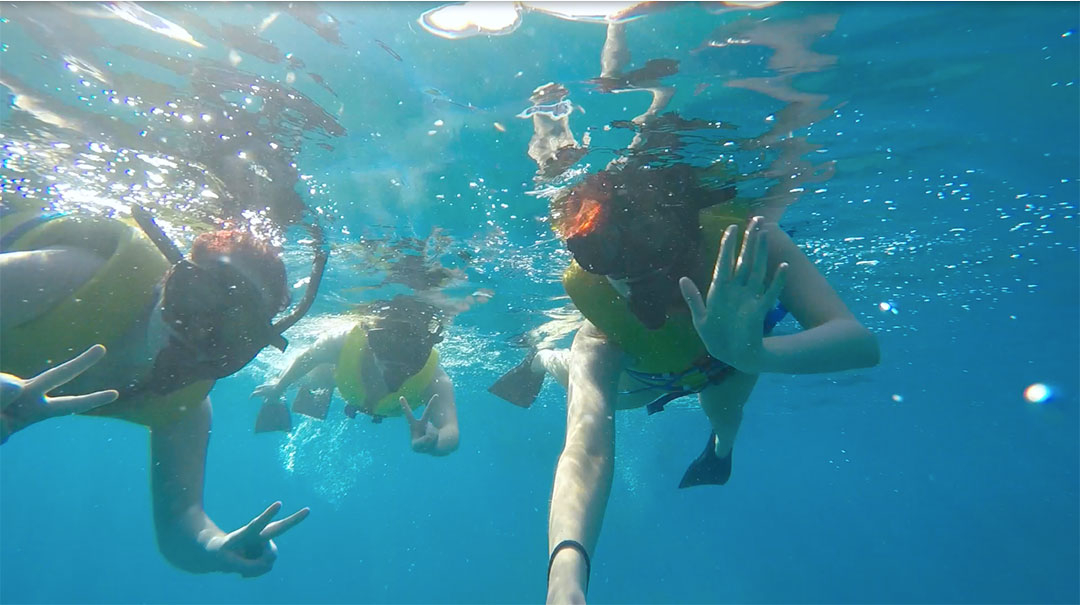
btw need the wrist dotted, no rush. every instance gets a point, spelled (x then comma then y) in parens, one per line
(747, 360)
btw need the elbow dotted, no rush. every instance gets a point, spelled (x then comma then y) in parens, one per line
(180, 538)
(857, 347)
(180, 554)
(870, 351)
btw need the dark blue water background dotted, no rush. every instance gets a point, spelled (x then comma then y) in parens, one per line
(926, 479)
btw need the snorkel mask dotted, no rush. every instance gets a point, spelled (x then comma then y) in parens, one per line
(639, 226)
(402, 338)
(218, 318)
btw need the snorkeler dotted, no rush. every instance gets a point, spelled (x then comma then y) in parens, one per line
(172, 324)
(647, 240)
(384, 365)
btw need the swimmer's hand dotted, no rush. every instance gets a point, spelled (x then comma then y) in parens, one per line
(250, 551)
(24, 402)
(425, 437)
(731, 319)
(271, 391)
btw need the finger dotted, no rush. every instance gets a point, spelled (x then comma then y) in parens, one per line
(54, 377)
(426, 416)
(726, 257)
(259, 523)
(408, 410)
(277, 528)
(777, 285)
(759, 265)
(11, 387)
(252, 567)
(750, 239)
(77, 404)
(692, 296)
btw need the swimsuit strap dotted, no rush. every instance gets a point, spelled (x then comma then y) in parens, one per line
(657, 405)
(712, 368)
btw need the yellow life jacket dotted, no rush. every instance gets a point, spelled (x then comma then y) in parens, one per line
(350, 367)
(102, 311)
(675, 346)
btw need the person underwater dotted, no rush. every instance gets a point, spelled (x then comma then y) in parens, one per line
(172, 325)
(379, 365)
(627, 230)
(646, 241)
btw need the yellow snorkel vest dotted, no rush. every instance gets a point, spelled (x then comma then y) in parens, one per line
(674, 346)
(350, 368)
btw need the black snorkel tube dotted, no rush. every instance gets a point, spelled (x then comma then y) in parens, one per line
(318, 266)
(146, 222)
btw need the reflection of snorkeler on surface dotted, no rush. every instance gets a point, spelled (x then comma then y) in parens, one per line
(553, 146)
(429, 267)
(173, 325)
(650, 336)
(383, 365)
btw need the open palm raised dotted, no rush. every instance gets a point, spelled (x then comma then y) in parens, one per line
(730, 318)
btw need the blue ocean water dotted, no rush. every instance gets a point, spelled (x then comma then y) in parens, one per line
(948, 225)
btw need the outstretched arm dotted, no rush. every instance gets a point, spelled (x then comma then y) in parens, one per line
(436, 431)
(585, 468)
(325, 350)
(186, 536)
(615, 54)
(178, 454)
(444, 413)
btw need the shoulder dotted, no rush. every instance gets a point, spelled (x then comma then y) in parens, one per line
(332, 341)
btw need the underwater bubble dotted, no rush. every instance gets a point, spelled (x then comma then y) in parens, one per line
(888, 307)
(1038, 393)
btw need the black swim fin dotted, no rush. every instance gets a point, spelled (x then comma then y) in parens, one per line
(708, 469)
(521, 385)
(273, 416)
(313, 401)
